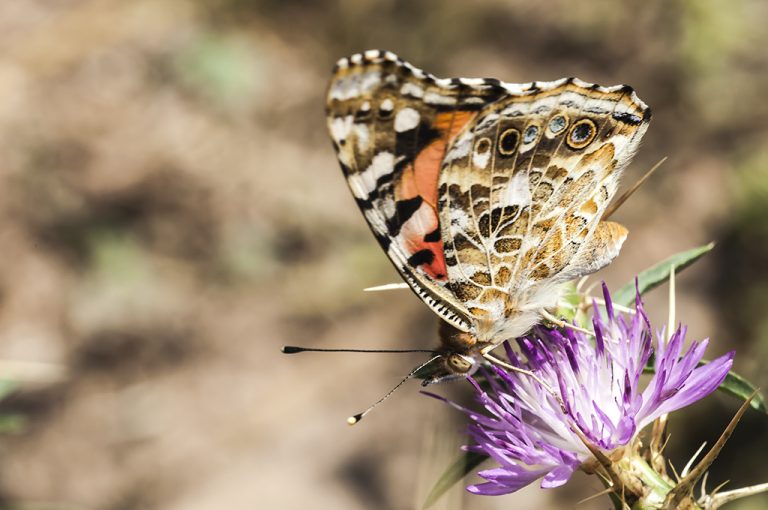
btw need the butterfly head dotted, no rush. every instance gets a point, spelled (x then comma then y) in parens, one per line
(458, 357)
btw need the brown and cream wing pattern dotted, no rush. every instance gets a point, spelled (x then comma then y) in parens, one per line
(391, 125)
(483, 194)
(523, 188)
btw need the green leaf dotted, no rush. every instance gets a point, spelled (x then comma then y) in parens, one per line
(455, 472)
(736, 386)
(658, 274)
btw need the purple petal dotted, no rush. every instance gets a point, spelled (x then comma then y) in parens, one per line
(608, 302)
(506, 480)
(600, 343)
(703, 381)
(557, 477)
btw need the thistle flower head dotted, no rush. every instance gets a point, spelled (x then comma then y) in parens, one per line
(585, 392)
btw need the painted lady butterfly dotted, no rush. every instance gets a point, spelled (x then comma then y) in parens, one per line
(486, 196)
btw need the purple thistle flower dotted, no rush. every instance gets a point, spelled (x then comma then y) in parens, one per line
(594, 387)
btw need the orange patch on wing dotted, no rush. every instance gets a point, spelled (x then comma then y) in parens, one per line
(421, 178)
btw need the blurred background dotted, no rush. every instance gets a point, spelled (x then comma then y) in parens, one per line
(171, 213)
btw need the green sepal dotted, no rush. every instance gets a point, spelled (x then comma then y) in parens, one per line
(569, 307)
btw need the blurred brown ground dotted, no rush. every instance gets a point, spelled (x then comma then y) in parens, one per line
(171, 213)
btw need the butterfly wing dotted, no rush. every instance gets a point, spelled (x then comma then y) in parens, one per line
(485, 195)
(522, 191)
(391, 124)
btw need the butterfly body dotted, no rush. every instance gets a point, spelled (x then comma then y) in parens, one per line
(486, 196)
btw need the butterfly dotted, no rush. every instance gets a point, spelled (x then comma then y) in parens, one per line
(486, 196)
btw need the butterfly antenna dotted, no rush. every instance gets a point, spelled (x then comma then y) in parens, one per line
(359, 416)
(623, 198)
(292, 349)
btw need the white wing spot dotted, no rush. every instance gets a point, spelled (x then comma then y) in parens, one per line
(369, 81)
(406, 119)
(364, 182)
(435, 98)
(460, 149)
(480, 159)
(361, 133)
(517, 191)
(340, 127)
(382, 164)
(473, 82)
(411, 89)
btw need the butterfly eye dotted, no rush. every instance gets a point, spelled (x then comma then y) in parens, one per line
(530, 134)
(557, 124)
(508, 141)
(459, 363)
(581, 134)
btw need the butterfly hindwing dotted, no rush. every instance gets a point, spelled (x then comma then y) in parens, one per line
(523, 188)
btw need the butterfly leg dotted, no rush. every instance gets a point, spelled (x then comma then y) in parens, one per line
(562, 324)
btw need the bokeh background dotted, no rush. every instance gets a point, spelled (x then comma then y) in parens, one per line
(171, 213)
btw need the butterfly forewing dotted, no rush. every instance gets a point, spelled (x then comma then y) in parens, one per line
(391, 125)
